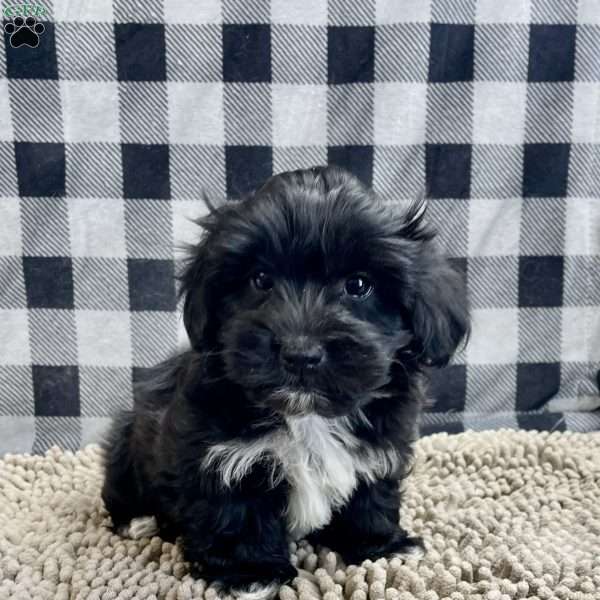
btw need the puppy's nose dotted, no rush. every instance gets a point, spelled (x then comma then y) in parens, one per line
(301, 354)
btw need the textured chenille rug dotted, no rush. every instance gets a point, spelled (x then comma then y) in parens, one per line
(504, 515)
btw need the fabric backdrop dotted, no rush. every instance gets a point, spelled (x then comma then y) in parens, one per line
(125, 112)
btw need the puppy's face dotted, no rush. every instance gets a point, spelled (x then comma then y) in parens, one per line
(308, 290)
(310, 328)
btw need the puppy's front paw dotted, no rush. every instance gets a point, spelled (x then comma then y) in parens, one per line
(259, 581)
(256, 591)
(411, 548)
(398, 545)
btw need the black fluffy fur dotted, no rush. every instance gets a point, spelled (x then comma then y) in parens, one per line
(310, 230)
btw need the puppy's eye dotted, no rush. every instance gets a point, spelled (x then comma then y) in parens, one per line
(262, 281)
(358, 286)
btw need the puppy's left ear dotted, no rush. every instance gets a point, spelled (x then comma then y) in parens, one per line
(439, 308)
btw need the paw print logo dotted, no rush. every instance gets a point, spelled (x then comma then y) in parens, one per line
(24, 32)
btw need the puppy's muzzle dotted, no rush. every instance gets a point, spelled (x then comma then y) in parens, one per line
(301, 354)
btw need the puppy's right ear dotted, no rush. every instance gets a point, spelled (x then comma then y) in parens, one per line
(193, 291)
(195, 281)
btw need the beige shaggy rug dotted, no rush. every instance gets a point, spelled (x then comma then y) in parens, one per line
(504, 515)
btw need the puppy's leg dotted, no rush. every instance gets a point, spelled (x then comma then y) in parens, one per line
(120, 492)
(239, 537)
(367, 527)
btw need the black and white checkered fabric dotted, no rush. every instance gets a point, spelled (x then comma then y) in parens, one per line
(126, 111)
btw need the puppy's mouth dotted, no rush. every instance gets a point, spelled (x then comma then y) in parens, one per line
(330, 377)
(297, 400)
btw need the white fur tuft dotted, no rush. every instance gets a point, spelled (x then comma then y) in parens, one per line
(321, 459)
(417, 551)
(139, 528)
(256, 591)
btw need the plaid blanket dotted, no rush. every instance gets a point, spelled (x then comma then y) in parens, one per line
(116, 115)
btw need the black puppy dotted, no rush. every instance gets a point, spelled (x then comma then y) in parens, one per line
(312, 308)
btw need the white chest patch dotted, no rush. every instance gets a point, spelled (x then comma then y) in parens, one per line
(322, 472)
(320, 458)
